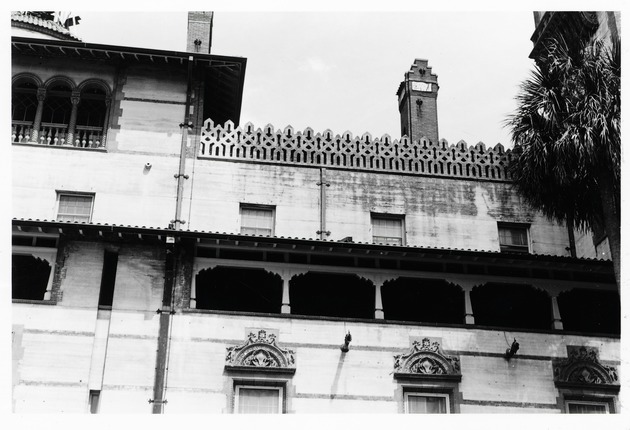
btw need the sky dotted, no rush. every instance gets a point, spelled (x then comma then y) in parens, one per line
(340, 70)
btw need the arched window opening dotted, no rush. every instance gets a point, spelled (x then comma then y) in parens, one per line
(590, 311)
(57, 107)
(56, 115)
(332, 295)
(92, 107)
(238, 289)
(423, 300)
(91, 116)
(23, 110)
(515, 306)
(29, 277)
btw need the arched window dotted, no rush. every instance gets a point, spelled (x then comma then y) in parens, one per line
(23, 109)
(91, 116)
(57, 107)
(56, 114)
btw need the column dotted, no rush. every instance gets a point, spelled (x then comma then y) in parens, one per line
(74, 98)
(193, 291)
(469, 318)
(286, 300)
(37, 122)
(555, 312)
(103, 141)
(378, 302)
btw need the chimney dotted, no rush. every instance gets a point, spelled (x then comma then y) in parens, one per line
(199, 37)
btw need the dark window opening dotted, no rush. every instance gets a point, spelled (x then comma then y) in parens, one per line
(238, 289)
(332, 295)
(24, 102)
(423, 300)
(57, 106)
(516, 306)
(92, 108)
(30, 277)
(108, 279)
(590, 311)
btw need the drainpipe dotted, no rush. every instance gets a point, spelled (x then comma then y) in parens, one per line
(322, 232)
(171, 267)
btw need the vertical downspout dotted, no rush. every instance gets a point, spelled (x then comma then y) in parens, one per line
(322, 232)
(170, 276)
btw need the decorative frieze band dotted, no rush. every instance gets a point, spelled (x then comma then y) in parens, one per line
(346, 151)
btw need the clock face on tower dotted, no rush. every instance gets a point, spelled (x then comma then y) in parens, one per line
(421, 86)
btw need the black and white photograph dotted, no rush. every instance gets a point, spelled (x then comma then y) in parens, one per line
(334, 212)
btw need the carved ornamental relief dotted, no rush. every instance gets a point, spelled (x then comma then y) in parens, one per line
(583, 367)
(260, 352)
(426, 358)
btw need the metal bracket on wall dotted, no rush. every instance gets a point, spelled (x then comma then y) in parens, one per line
(188, 124)
(327, 233)
(158, 401)
(177, 175)
(323, 183)
(160, 311)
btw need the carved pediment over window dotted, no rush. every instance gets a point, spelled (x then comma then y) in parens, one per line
(583, 367)
(260, 353)
(426, 359)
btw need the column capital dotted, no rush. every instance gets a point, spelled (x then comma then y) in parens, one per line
(378, 279)
(75, 98)
(41, 94)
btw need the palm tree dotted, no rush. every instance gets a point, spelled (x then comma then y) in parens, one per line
(566, 132)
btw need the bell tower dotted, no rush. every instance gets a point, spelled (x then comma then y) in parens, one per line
(417, 102)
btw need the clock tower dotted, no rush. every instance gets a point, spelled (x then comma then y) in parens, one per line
(417, 102)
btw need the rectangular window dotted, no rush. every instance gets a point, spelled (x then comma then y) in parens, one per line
(75, 207)
(427, 403)
(95, 396)
(388, 230)
(582, 407)
(257, 220)
(108, 279)
(513, 238)
(250, 399)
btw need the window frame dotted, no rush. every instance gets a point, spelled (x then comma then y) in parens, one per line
(62, 193)
(245, 379)
(414, 393)
(578, 393)
(239, 386)
(389, 217)
(252, 206)
(587, 402)
(520, 249)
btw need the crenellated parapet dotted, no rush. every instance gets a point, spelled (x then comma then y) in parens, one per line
(345, 151)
